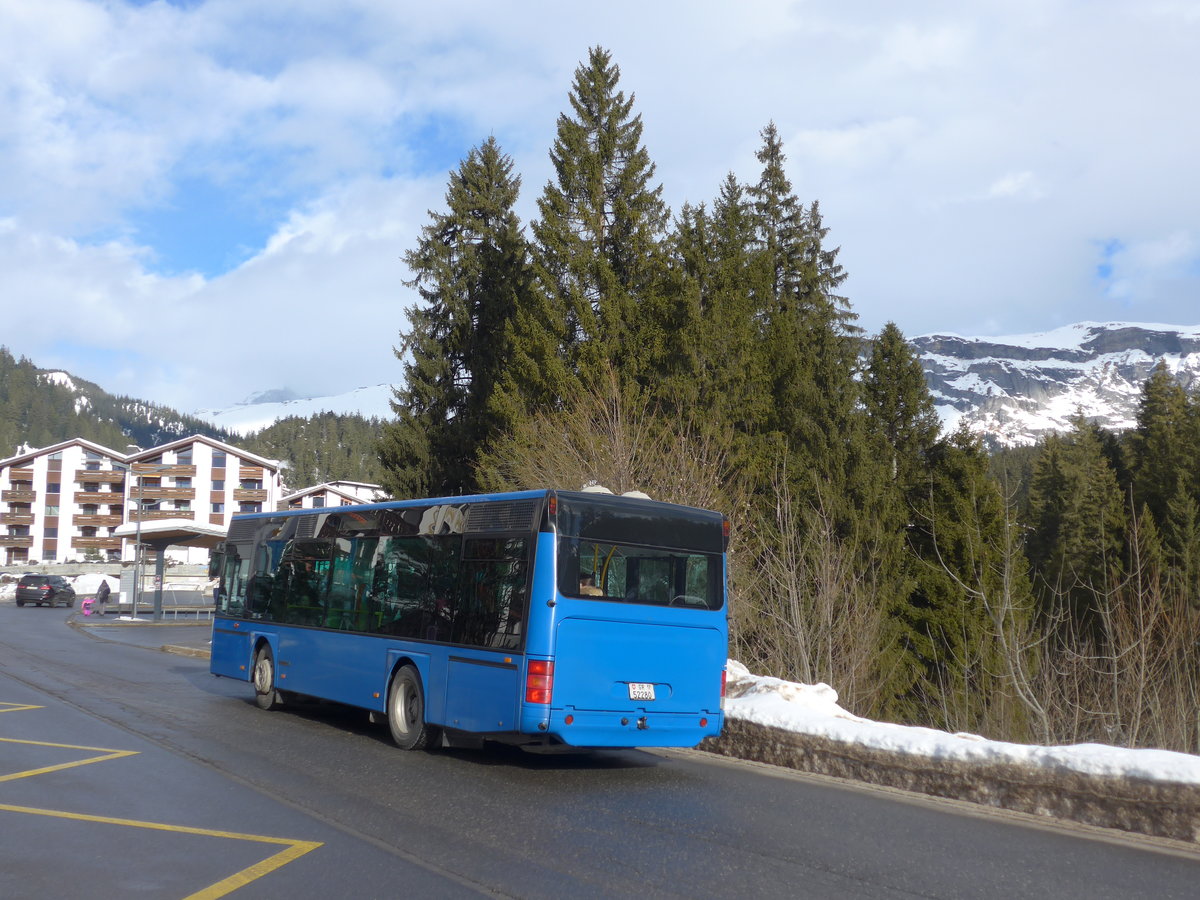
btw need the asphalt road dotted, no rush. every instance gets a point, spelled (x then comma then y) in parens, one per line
(129, 772)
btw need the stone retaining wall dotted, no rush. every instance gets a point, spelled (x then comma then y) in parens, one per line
(1160, 809)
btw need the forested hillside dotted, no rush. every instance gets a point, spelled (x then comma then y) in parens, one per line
(324, 447)
(709, 357)
(38, 410)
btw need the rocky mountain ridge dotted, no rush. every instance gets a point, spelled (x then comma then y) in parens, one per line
(1013, 390)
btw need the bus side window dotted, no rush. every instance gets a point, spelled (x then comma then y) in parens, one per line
(233, 597)
(492, 597)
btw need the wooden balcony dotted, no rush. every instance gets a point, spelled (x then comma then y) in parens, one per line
(99, 476)
(150, 514)
(163, 493)
(98, 498)
(16, 540)
(160, 470)
(19, 496)
(244, 495)
(96, 543)
(96, 521)
(20, 474)
(16, 518)
(251, 472)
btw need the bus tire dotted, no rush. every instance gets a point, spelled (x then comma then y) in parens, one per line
(406, 711)
(265, 695)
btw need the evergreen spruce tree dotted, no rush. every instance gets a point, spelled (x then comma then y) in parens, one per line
(972, 602)
(721, 368)
(898, 402)
(809, 345)
(1164, 445)
(1078, 523)
(472, 272)
(1181, 533)
(599, 237)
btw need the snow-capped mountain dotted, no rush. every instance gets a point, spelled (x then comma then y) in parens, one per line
(1012, 390)
(1015, 389)
(261, 410)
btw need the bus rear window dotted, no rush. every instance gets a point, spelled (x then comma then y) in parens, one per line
(632, 574)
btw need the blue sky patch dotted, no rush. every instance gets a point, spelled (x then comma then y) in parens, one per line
(1108, 249)
(207, 228)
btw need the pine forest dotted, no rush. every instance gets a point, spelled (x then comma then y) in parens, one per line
(708, 357)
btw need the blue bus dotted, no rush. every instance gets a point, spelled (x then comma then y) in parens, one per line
(530, 618)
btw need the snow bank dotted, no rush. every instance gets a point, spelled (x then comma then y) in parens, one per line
(814, 710)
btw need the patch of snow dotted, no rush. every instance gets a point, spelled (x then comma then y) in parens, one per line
(62, 379)
(370, 402)
(813, 709)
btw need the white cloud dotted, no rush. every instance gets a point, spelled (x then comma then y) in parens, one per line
(968, 159)
(1016, 185)
(1145, 270)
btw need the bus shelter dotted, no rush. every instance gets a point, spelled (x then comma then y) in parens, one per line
(161, 534)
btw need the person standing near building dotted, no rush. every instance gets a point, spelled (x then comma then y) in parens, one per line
(100, 604)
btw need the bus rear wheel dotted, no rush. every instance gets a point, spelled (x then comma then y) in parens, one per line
(406, 712)
(265, 695)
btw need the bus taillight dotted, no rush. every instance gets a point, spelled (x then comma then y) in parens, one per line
(724, 678)
(539, 681)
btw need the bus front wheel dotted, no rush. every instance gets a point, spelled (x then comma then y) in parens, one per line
(265, 694)
(406, 712)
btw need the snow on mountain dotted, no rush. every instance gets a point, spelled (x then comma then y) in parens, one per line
(1012, 389)
(62, 379)
(261, 410)
(1017, 388)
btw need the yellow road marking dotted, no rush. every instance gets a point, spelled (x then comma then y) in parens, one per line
(107, 754)
(16, 707)
(293, 849)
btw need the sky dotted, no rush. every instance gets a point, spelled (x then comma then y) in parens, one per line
(200, 201)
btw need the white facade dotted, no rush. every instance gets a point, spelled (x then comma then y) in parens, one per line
(201, 480)
(61, 503)
(333, 493)
(64, 502)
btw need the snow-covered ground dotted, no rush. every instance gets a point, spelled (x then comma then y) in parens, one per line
(814, 710)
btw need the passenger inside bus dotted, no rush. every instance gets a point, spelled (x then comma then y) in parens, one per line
(587, 586)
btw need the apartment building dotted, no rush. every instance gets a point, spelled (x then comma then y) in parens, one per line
(64, 502)
(333, 493)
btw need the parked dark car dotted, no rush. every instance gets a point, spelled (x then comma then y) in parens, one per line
(48, 589)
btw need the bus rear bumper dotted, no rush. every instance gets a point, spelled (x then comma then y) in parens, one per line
(628, 728)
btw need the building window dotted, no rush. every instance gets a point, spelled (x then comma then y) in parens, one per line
(183, 505)
(219, 484)
(50, 533)
(218, 459)
(183, 482)
(251, 484)
(53, 487)
(184, 457)
(250, 507)
(51, 511)
(218, 507)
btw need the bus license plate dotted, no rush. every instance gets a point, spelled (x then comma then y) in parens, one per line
(639, 690)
